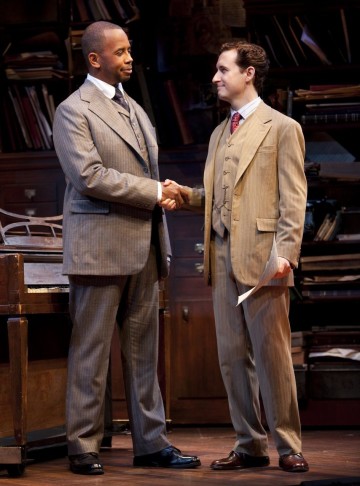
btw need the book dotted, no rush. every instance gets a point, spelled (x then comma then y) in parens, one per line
(309, 118)
(170, 89)
(49, 102)
(131, 10)
(139, 70)
(332, 294)
(94, 10)
(309, 40)
(82, 10)
(44, 126)
(348, 236)
(285, 41)
(346, 35)
(12, 138)
(120, 10)
(272, 51)
(334, 227)
(298, 356)
(30, 119)
(20, 118)
(323, 228)
(299, 338)
(296, 39)
(347, 261)
(339, 91)
(103, 10)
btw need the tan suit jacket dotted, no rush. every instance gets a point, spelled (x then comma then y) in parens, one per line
(111, 192)
(269, 196)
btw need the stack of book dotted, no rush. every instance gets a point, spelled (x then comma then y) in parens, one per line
(329, 228)
(126, 11)
(299, 347)
(329, 104)
(316, 38)
(29, 112)
(34, 65)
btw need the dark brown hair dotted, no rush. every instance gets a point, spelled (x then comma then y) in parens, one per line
(250, 55)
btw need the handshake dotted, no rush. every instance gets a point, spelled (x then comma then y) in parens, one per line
(174, 196)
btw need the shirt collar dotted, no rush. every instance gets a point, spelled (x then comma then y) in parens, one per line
(247, 109)
(107, 89)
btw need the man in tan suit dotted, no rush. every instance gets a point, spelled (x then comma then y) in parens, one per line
(255, 194)
(116, 247)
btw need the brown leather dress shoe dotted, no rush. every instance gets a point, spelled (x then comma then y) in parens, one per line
(239, 460)
(293, 463)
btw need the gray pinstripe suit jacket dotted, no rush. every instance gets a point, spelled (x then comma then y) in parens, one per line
(111, 192)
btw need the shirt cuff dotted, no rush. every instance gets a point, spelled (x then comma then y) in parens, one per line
(159, 192)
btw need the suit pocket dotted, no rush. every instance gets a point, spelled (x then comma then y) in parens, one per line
(266, 224)
(86, 206)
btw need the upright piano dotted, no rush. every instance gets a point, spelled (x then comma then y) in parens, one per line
(34, 334)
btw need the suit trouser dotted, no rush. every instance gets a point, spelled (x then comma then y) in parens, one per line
(254, 347)
(96, 304)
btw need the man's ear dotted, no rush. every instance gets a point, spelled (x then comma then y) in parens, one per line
(93, 60)
(250, 71)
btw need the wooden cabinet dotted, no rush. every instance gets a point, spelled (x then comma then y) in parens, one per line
(32, 183)
(197, 393)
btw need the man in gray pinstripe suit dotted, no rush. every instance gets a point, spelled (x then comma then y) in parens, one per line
(255, 195)
(116, 248)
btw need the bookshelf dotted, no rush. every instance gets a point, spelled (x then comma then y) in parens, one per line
(314, 77)
(315, 65)
(175, 56)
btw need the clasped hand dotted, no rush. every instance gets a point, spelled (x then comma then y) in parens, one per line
(173, 195)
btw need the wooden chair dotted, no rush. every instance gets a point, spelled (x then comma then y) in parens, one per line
(32, 232)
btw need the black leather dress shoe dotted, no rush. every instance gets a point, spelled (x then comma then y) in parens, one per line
(239, 460)
(168, 457)
(293, 463)
(87, 463)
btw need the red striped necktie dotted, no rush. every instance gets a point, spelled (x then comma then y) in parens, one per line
(235, 119)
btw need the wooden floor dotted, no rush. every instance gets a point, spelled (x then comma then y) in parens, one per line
(333, 456)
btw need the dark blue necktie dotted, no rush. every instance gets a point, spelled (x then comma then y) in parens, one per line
(120, 100)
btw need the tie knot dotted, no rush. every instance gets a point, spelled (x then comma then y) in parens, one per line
(235, 119)
(119, 99)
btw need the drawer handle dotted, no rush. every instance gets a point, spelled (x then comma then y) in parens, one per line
(185, 313)
(30, 194)
(199, 267)
(199, 248)
(30, 212)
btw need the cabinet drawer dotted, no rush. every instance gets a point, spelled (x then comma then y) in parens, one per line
(34, 209)
(334, 380)
(22, 193)
(188, 267)
(191, 289)
(188, 247)
(184, 224)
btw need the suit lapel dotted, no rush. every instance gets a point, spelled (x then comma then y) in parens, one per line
(258, 126)
(210, 162)
(109, 112)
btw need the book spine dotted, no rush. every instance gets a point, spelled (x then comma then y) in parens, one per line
(186, 135)
(330, 118)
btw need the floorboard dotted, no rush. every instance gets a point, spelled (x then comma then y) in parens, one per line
(333, 456)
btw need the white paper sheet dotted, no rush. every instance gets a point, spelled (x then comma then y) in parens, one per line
(268, 273)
